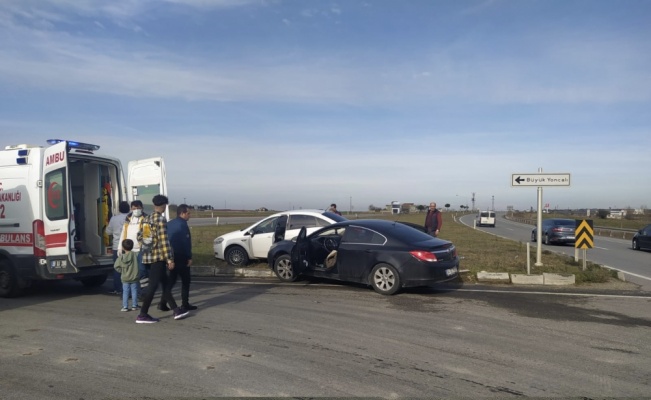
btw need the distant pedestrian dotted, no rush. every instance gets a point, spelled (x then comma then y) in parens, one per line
(433, 220)
(114, 228)
(127, 266)
(157, 254)
(181, 241)
(333, 209)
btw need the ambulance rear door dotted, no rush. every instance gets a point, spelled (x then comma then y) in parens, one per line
(147, 178)
(58, 218)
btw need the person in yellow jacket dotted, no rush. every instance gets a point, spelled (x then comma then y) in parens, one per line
(133, 225)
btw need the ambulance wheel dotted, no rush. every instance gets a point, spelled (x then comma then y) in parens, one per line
(8, 280)
(94, 281)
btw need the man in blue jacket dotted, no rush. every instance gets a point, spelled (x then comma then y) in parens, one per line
(181, 242)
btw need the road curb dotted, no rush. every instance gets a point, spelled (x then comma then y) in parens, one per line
(262, 271)
(237, 272)
(497, 277)
(547, 279)
(523, 279)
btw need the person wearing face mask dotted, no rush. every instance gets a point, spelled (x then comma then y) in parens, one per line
(133, 225)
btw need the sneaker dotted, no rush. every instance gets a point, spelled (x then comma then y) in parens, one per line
(163, 307)
(146, 319)
(180, 313)
(190, 307)
(135, 308)
(124, 309)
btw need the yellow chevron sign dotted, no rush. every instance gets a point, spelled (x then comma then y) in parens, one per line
(584, 234)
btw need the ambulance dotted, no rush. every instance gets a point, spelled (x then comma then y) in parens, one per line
(55, 204)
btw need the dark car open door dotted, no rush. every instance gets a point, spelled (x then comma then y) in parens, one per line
(301, 252)
(281, 227)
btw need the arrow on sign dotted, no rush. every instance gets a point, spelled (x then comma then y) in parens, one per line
(519, 179)
(584, 234)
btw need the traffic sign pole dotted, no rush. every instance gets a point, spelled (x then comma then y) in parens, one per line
(539, 223)
(539, 180)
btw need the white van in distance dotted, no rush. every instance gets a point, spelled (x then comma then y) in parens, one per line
(55, 204)
(486, 218)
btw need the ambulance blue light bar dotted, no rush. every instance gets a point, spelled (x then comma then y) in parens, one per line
(22, 157)
(75, 145)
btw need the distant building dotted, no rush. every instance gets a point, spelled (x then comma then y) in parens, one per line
(617, 214)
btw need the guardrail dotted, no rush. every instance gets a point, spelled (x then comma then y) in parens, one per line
(618, 233)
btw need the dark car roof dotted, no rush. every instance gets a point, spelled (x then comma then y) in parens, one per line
(394, 230)
(561, 221)
(333, 216)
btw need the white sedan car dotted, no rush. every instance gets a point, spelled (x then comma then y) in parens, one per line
(238, 247)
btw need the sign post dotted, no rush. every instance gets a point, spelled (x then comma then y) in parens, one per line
(584, 237)
(539, 180)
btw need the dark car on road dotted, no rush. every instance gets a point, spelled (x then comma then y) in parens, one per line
(556, 231)
(384, 254)
(642, 239)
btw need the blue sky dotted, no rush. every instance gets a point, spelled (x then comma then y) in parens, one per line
(297, 104)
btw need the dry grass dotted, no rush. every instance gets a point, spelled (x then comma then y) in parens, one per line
(478, 251)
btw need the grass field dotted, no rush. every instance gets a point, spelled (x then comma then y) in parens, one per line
(478, 251)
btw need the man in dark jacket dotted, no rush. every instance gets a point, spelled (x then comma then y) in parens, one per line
(181, 242)
(433, 220)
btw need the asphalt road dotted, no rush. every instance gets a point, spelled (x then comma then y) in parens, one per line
(611, 252)
(263, 338)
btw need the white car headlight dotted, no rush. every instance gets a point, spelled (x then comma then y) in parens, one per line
(219, 240)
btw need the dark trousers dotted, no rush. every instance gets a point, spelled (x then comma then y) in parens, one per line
(181, 270)
(158, 274)
(117, 277)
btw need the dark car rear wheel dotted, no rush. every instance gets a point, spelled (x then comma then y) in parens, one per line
(636, 245)
(533, 236)
(283, 269)
(385, 279)
(237, 256)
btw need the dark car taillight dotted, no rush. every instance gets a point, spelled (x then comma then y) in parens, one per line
(426, 256)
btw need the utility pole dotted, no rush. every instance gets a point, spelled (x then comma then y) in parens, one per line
(492, 203)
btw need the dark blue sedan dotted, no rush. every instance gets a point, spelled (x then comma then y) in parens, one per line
(642, 239)
(556, 231)
(383, 254)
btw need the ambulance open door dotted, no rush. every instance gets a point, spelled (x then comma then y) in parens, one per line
(147, 178)
(58, 217)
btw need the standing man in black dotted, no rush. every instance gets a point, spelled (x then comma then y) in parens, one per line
(181, 242)
(433, 220)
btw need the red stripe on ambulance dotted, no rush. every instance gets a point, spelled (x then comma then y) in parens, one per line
(56, 240)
